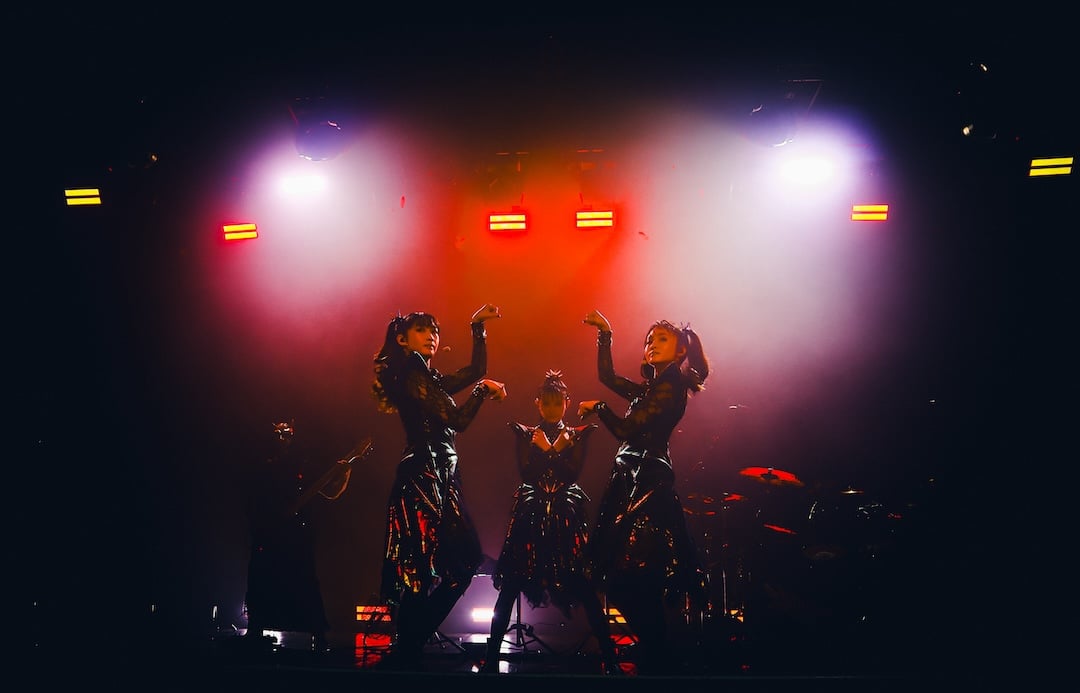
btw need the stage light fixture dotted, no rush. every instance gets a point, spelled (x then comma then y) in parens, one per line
(775, 117)
(1052, 166)
(869, 212)
(239, 232)
(501, 178)
(980, 106)
(320, 141)
(482, 614)
(372, 613)
(598, 187)
(472, 613)
(591, 219)
(516, 221)
(80, 197)
(376, 629)
(319, 133)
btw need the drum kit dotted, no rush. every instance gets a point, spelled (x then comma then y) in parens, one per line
(773, 532)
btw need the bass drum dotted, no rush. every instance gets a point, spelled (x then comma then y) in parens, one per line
(849, 540)
(848, 525)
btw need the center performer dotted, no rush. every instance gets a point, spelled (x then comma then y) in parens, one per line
(543, 555)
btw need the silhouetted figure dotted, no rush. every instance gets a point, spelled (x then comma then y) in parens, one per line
(283, 591)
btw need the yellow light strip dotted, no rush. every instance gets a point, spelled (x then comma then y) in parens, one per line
(372, 613)
(1054, 166)
(77, 197)
(869, 212)
(506, 222)
(589, 219)
(239, 232)
(615, 616)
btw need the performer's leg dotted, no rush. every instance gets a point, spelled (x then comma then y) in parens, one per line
(412, 632)
(645, 614)
(601, 628)
(500, 622)
(441, 602)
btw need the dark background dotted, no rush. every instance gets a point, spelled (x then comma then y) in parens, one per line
(145, 373)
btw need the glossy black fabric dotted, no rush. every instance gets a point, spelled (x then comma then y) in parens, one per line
(430, 536)
(641, 542)
(641, 552)
(543, 553)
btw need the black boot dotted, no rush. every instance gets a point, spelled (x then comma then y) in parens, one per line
(491, 658)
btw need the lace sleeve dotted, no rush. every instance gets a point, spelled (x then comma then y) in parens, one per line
(437, 404)
(650, 413)
(605, 367)
(455, 382)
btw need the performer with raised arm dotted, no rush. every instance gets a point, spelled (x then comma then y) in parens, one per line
(641, 552)
(432, 548)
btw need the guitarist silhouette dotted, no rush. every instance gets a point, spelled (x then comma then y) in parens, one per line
(283, 591)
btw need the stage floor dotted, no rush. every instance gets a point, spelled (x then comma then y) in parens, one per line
(901, 649)
(710, 658)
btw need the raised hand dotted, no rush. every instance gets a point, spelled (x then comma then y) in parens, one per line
(540, 440)
(564, 440)
(486, 312)
(597, 320)
(587, 407)
(496, 390)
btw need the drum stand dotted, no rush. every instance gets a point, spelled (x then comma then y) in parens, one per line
(729, 588)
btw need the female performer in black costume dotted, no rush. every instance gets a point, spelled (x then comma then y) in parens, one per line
(543, 553)
(432, 547)
(641, 553)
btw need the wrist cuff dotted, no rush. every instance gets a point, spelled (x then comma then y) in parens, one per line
(603, 338)
(478, 331)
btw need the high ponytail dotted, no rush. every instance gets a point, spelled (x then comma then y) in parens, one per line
(695, 367)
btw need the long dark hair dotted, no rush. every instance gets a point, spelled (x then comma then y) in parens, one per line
(693, 365)
(390, 359)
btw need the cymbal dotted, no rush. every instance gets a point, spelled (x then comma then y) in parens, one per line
(701, 504)
(771, 476)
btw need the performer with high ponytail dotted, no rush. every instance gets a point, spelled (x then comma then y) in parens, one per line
(641, 553)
